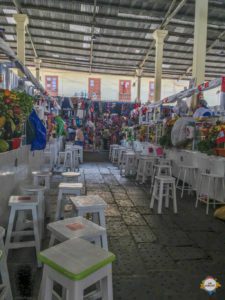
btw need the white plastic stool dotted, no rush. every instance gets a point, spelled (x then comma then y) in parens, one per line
(68, 160)
(162, 187)
(43, 206)
(158, 170)
(70, 176)
(92, 204)
(188, 175)
(145, 168)
(7, 292)
(23, 204)
(77, 227)
(66, 188)
(130, 167)
(42, 176)
(210, 184)
(76, 265)
(121, 158)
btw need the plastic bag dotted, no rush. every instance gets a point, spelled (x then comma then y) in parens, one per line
(220, 213)
(39, 142)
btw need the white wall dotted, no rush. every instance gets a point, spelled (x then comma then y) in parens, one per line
(70, 83)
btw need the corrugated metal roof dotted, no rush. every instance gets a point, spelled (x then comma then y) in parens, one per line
(62, 32)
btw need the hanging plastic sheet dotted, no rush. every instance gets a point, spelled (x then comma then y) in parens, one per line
(39, 142)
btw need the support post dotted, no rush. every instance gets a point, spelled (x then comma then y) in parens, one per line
(21, 22)
(139, 73)
(159, 36)
(200, 44)
(37, 62)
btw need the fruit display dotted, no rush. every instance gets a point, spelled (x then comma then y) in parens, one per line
(15, 107)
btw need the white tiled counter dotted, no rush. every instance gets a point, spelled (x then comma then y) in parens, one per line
(15, 166)
(204, 163)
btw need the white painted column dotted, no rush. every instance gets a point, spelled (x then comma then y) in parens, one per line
(200, 43)
(21, 22)
(139, 73)
(37, 62)
(159, 36)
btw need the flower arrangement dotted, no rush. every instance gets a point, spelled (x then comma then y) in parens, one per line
(15, 107)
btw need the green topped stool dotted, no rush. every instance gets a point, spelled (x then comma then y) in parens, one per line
(76, 265)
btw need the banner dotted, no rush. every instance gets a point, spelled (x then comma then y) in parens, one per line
(94, 89)
(51, 85)
(125, 90)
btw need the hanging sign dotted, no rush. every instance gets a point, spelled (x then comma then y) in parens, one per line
(51, 85)
(125, 90)
(94, 89)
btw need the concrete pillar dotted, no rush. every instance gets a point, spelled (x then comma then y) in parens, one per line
(21, 22)
(159, 36)
(200, 44)
(37, 62)
(139, 73)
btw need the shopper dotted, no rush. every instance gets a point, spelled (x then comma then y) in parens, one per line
(79, 138)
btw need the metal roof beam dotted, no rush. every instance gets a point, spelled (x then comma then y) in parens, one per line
(169, 15)
(219, 37)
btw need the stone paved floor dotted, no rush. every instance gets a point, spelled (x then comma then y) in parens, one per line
(159, 257)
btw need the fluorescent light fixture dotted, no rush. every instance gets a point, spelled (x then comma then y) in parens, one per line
(86, 45)
(172, 39)
(88, 8)
(87, 38)
(134, 16)
(9, 37)
(55, 55)
(47, 42)
(179, 29)
(189, 41)
(148, 36)
(10, 20)
(154, 26)
(97, 30)
(82, 58)
(75, 27)
(165, 66)
(9, 11)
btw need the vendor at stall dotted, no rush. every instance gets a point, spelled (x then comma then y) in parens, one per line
(79, 138)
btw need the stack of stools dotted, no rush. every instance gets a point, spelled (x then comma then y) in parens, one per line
(76, 265)
(145, 168)
(22, 204)
(130, 166)
(110, 150)
(76, 158)
(121, 160)
(187, 175)
(115, 154)
(164, 187)
(66, 188)
(77, 227)
(91, 204)
(211, 184)
(70, 176)
(68, 160)
(5, 288)
(38, 191)
(42, 178)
